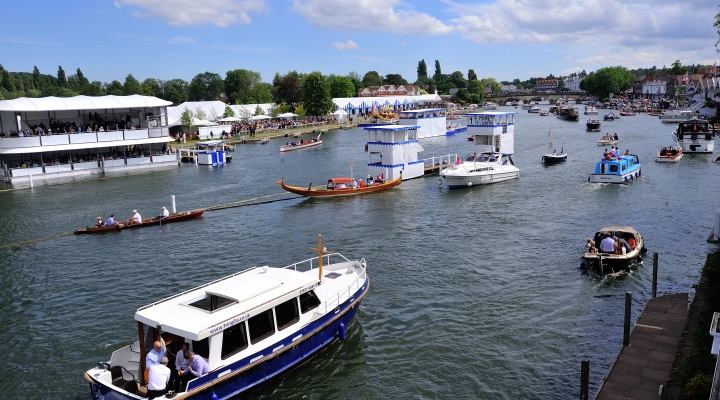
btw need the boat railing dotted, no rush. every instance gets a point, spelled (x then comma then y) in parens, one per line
(346, 293)
(312, 263)
(439, 161)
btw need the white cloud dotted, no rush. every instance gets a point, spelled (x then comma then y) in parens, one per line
(192, 12)
(369, 15)
(346, 45)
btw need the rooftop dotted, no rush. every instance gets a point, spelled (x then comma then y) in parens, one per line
(81, 103)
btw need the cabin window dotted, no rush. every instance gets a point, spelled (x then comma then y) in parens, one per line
(613, 168)
(308, 301)
(201, 348)
(234, 340)
(212, 302)
(261, 326)
(287, 314)
(624, 167)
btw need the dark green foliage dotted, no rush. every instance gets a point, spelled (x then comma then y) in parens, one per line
(473, 76)
(422, 69)
(316, 95)
(608, 80)
(206, 86)
(372, 78)
(394, 79)
(342, 86)
(61, 80)
(287, 88)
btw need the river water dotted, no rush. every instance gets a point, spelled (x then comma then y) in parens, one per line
(475, 293)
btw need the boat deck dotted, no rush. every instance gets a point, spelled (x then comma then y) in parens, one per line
(645, 364)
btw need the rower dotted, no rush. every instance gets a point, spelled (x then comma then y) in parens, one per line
(163, 214)
(99, 222)
(111, 220)
(136, 218)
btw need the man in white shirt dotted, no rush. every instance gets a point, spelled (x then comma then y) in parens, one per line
(136, 218)
(608, 244)
(158, 377)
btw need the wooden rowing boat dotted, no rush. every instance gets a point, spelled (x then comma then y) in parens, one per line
(303, 144)
(146, 222)
(332, 190)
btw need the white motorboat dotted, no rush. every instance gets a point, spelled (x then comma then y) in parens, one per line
(249, 326)
(489, 105)
(544, 113)
(675, 116)
(590, 110)
(481, 169)
(534, 109)
(695, 136)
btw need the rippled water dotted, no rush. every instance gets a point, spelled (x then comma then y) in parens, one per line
(475, 293)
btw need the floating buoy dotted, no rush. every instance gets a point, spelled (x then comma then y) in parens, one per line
(341, 331)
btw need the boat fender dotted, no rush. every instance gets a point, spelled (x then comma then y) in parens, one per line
(626, 179)
(214, 396)
(341, 331)
(469, 183)
(644, 250)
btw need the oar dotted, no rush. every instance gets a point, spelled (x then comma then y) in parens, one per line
(160, 225)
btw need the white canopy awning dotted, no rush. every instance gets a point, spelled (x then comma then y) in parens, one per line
(287, 115)
(257, 117)
(229, 119)
(81, 103)
(201, 122)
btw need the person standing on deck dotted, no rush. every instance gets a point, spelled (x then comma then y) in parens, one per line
(155, 355)
(158, 377)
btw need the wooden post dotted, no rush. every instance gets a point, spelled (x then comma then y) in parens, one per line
(654, 278)
(141, 373)
(584, 379)
(626, 330)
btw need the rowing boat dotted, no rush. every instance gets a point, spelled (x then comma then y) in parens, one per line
(302, 144)
(146, 222)
(340, 187)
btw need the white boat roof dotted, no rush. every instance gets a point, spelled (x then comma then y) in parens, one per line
(422, 110)
(494, 113)
(391, 127)
(249, 289)
(81, 146)
(81, 103)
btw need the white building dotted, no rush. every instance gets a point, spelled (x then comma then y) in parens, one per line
(397, 148)
(431, 121)
(572, 83)
(51, 137)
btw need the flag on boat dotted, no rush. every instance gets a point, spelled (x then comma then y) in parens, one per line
(380, 177)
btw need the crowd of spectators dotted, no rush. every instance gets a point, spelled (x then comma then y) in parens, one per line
(95, 124)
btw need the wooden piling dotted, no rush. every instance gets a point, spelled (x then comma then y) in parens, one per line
(584, 379)
(655, 272)
(628, 308)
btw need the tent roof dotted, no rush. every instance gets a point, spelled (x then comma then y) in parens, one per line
(81, 103)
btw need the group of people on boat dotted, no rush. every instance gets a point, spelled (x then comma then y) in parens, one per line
(301, 142)
(609, 244)
(134, 220)
(669, 151)
(187, 366)
(609, 137)
(614, 153)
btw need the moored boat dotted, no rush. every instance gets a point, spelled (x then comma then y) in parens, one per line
(301, 144)
(675, 116)
(248, 326)
(623, 169)
(669, 154)
(695, 136)
(627, 113)
(630, 245)
(145, 222)
(489, 105)
(592, 125)
(544, 113)
(481, 169)
(343, 187)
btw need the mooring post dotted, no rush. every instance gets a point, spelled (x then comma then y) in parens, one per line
(173, 204)
(626, 330)
(584, 379)
(655, 269)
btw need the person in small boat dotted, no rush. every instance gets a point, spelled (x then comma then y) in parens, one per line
(99, 222)
(180, 365)
(158, 377)
(135, 219)
(554, 152)
(197, 366)
(627, 152)
(341, 186)
(163, 214)
(608, 244)
(111, 220)
(622, 242)
(631, 241)
(354, 183)
(616, 136)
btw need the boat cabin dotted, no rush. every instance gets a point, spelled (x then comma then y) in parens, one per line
(493, 131)
(618, 166)
(341, 183)
(694, 128)
(431, 121)
(393, 149)
(211, 153)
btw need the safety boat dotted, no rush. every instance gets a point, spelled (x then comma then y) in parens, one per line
(624, 258)
(669, 155)
(481, 169)
(623, 169)
(249, 326)
(695, 136)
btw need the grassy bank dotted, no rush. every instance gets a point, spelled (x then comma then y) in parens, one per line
(691, 376)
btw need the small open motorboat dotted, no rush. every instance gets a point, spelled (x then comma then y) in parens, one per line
(145, 222)
(593, 125)
(606, 142)
(627, 113)
(610, 117)
(301, 144)
(544, 113)
(608, 263)
(555, 157)
(342, 187)
(669, 154)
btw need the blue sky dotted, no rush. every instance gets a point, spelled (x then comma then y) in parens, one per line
(503, 39)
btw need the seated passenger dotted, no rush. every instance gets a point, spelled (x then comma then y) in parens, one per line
(99, 222)
(111, 220)
(631, 241)
(341, 186)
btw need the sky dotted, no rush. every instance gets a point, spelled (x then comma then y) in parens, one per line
(501, 39)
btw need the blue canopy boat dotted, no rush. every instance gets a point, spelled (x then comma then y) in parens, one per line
(617, 170)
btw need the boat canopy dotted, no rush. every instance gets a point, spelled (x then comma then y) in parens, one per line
(82, 103)
(340, 180)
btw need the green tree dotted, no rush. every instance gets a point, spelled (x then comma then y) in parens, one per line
(607, 80)
(561, 84)
(395, 79)
(186, 119)
(199, 113)
(438, 72)
(357, 82)
(300, 111)
(115, 88)
(36, 78)
(371, 78)
(316, 95)
(259, 110)
(175, 90)
(8, 83)
(492, 84)
(458, 80)
(94, 88)
(342, 86)
(422, 69)
(152, 87)
(472, 76)
(262, 93)
(228, 112)
(240, 86)
(676, 69)
(205, 86)
(131, 86)
(287, 88)
(61, 80)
